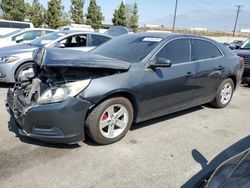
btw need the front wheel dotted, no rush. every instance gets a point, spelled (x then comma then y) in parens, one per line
(26, 68)
(224, 94)
(110, 121)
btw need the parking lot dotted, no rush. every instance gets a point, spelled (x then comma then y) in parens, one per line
(157, 153)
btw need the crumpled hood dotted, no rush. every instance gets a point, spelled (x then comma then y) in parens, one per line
(57, 57)
(16, 49)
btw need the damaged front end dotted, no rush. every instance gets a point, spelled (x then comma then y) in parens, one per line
(47, 105)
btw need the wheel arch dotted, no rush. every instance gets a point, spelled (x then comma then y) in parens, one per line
(234, 78)
(120, 93)
(21, 64)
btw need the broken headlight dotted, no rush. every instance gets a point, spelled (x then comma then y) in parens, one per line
(58, 94)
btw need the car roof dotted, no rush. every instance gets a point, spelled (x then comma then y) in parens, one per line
(81, 32)
(34, 29)
(154, 34)
(166, 35)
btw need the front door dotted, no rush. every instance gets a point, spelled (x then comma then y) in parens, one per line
(167, 90)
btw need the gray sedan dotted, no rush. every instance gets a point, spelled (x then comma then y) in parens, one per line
(15, 61)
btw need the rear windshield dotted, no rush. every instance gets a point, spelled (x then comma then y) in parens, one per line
(130, 48)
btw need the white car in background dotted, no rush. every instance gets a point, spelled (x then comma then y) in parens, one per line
(76, 27)
(17, 60)
(23, 36)
(7, 26)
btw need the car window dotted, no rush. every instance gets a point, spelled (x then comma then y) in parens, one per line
(5, 24)
(130, 48)
(75, 41)
(20, 25)
(177, 51)
(47, 39)
(29, 35)
(97, 40)
(202, 49)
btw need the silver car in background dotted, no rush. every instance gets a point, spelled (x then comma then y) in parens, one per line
(22, 36)
(15, 61)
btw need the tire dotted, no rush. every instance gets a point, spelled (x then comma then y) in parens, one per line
(102, 124)
(22, 68)
(225, 89)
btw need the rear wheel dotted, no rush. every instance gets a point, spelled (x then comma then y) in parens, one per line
(224, 94)
(27, 67)
(110, 121)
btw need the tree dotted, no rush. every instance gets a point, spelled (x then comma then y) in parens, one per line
(13, 10)
(54, 14)
(115, 17)
(94, 15)
(129, 10)
(76, 10)
(119, 16)
(36, 13)
(65, 18)
(133, 22)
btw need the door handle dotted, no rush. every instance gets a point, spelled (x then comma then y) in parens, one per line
(189, 74)
(219, 68)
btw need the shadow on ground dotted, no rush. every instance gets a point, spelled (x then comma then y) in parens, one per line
(165, 118)
(13, 128)
(208, 168)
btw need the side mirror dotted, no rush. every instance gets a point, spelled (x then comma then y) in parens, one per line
(161, 62)
(59, 45)
(19, 39)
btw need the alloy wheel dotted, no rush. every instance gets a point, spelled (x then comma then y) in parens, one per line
(113, 121)
(226, 93)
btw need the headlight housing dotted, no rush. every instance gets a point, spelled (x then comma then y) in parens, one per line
(9, 59)
(58, 94)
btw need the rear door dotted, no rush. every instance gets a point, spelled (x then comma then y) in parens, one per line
(169, 89)
(210, 66)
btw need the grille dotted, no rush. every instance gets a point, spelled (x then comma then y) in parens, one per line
(14, 104)
(10, 98)
(246, 61)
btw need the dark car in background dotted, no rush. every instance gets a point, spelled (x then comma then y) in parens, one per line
(236, 44)
(232, 173)
(131, 78)
(244, 52)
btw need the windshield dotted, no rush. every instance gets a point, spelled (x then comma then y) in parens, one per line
(246, 44)
(130, 48)
(11, 33)
(46, 39)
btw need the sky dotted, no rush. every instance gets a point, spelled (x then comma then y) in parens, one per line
(150, 10)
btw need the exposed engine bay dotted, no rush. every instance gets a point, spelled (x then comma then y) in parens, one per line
(33, 86)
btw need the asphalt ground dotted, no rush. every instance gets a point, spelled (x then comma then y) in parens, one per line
(170, 151)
